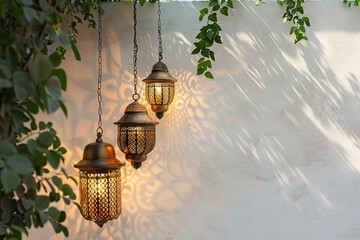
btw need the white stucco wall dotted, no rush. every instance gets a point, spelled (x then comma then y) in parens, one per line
(269, 150)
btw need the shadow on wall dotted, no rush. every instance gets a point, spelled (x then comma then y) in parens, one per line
(273, 128)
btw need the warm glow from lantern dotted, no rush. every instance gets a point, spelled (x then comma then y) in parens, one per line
(100, 195)
(158, 91)
(136, 134)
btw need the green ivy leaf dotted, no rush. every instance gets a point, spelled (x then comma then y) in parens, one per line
(7, 149)
(60, 73)
(213, 17)
(20, 164)
(75, 51)
(9, 179)
(32, 107)
(54, 197)
(55, 59)
(209, 75)
(57, 181)
(53, 87)
(40, 68)
(200, 71)
(54, 213)
(46, 139)
(63, 107)
(22, 85)
(229, 3)
(62, 216)
(224, 11)
(42, 202)
(26, 203)
(65, 231)
(66, 189)
(62, 150)
(53, 159)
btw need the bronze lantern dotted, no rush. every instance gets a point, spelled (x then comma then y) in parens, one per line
(159, 85)
(100, 182)
(159, 89)
(136, 133)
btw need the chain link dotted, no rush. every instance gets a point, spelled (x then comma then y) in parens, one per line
(159, 32)
(135, 96)
(99, 129)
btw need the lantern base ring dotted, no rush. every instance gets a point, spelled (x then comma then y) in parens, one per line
(136, 159)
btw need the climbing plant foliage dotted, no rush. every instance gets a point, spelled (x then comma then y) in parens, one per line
(33, 40)
(210, 33)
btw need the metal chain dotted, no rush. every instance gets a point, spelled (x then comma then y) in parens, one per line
(99, 129)
(159, 32)
(135, 96)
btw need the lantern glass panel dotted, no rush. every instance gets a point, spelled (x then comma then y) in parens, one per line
(160, 93)
(100, 195)
(137, 140)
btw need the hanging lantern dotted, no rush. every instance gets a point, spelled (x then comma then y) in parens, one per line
(136, 134)
(159, 85)
(100, 178)
(136, 130)
(100, 182)
(159, 89)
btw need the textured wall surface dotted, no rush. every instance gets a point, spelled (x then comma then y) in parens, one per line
(269, 150)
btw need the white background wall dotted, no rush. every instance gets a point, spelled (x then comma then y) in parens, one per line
(269, 150)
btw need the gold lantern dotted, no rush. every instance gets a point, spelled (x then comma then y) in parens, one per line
(159, 85)
(136, 130)
(136, 134)
(99, 170)
(100, 182)
(159, 89)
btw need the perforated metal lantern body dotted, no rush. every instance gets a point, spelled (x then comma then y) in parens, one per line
(136, 135)
(159, 89)
(100, 183)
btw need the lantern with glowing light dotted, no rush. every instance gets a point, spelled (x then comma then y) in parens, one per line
(100, 182)
(136, 130)
(159, 89)
(136, 134)
(159, 85)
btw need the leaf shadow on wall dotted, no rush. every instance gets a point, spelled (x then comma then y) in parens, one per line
(295, 134)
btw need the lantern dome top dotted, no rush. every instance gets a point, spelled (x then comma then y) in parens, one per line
(158, 73)
(135, 106)
(160, 66)
(135, 115)
(97, 156)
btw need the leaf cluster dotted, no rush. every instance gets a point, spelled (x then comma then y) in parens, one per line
(294, 13)
(33, 43)
(354, 3)
(210, 34)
